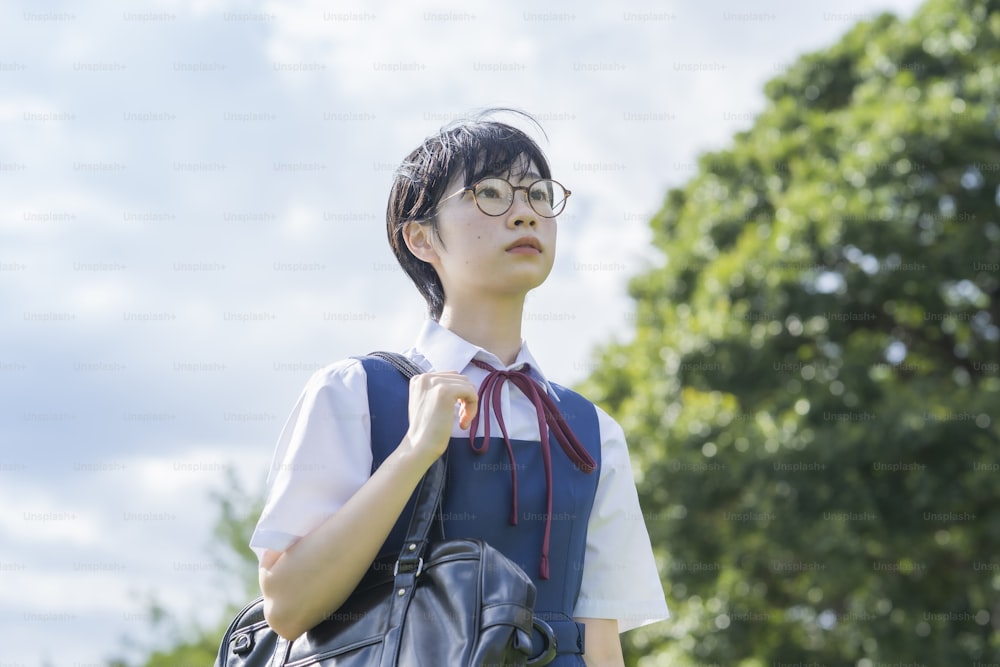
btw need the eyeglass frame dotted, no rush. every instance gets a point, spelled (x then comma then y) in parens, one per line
(514, 188)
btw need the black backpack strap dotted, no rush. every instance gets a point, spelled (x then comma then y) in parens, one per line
(410, 562)
(429, 493)
(402, 364)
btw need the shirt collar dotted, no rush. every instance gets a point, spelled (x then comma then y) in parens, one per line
(445, 350)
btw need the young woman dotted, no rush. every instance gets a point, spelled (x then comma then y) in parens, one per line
(472, 220)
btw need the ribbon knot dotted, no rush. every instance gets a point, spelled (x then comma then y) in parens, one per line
(549, 417)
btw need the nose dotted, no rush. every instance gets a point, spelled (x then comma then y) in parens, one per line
(521, 214)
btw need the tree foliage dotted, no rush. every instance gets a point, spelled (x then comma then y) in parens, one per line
(812, 393)
(186, 644)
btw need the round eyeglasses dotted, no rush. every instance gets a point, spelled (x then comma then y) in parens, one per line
(494, 196)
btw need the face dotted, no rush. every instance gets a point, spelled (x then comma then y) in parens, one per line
(478, 255)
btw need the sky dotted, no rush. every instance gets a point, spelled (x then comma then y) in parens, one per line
(192, 201)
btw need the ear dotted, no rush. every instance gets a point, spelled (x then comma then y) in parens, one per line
(419, 239)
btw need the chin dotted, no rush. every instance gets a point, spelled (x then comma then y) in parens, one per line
(530, 283)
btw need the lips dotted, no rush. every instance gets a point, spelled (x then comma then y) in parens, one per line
(525, 244)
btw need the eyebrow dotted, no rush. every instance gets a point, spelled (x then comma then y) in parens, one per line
(526, 176)
(530, 176)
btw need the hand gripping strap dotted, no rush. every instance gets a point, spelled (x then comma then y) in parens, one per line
(431, 486)
(410, 561)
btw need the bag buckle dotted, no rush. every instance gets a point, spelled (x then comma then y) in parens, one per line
(551, 644)
(242, 643)
(420, 567)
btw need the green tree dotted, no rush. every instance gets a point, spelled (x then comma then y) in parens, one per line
(180, 644)
(812, 393)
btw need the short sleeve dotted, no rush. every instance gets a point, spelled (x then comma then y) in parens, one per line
(322, 457)
(620, 579)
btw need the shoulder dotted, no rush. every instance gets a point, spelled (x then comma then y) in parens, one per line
(337, 372)
(352, 376)
(575, 406)
(609, 428)
(564, 393)
(338, 379)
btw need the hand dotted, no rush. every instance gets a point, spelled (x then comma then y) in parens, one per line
(433, 397)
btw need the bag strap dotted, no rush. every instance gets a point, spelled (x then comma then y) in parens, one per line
(428, 494)
(402, 364)
(410, 563)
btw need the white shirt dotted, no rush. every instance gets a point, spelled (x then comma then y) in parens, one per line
(324, 455)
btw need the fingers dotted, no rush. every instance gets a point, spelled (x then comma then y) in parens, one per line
(469, 406)
(468, 403)
(467, 410)
(452, 387)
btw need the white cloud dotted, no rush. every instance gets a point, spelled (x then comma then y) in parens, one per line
(30, 516)
(103, 388)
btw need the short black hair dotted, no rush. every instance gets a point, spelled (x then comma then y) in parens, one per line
(478, 146)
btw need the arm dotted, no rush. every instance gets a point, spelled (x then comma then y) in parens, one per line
(313, 577)
(604, 646)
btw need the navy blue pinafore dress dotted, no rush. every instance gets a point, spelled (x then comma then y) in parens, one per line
(479, 499)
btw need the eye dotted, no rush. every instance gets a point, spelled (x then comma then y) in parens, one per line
(541, 195)
(493, 189)
(488, 192)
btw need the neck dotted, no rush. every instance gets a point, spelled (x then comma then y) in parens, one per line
(493, 326)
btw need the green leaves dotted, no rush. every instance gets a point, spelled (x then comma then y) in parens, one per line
(177, 640)
(813, 390)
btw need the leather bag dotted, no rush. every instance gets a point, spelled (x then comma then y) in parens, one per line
(450, 603)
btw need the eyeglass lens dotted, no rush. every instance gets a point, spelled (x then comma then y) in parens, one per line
(495, 196)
